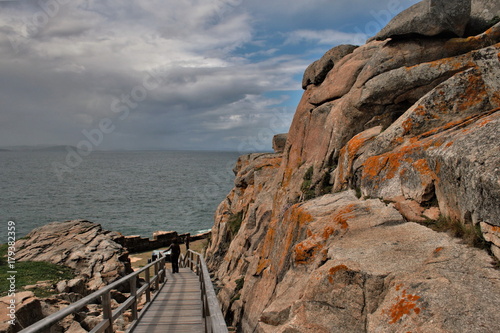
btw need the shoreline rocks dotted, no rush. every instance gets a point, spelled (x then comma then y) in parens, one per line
(79, 244)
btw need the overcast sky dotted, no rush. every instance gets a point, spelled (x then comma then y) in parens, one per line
(183, 74)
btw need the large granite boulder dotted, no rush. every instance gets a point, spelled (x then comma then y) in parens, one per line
(81, 245)
(317, 71)
(429, 18)
(279, 142)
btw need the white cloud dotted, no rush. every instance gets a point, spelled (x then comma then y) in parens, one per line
(325, 37)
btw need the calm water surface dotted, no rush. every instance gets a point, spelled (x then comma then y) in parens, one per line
(134, 193)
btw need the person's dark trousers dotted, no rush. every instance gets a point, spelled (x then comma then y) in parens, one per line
(175, 265)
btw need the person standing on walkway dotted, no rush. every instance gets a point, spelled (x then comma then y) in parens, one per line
(187, 242)
(174, 255)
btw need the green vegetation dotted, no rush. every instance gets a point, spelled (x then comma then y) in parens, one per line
(306, 188)
(31, 272)
(359, 194)
(325, 186)
(469, 233)
(239, 284)
(234, 223)
(494, 21)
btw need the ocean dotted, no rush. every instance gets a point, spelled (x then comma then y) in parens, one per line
(133, 192)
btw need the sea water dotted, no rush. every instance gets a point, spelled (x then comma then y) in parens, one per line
(133, 192)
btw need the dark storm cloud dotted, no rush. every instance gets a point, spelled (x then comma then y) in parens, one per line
(190, 74)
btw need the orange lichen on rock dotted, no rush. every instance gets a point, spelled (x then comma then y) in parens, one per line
(267, 244)
(408, 124)
(483, 122)
(438, 249)
(386, 166)
(348, 153)
(457, 124)
(474, 94)
(373, 165)
(299, 215)
(422, 167)
(404, 305)
(263, 264)
(328, 232)
(356, 143)
(333, 270)
(342, 216)
(306, 251)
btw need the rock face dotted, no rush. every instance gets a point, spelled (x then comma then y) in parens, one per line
(79, 244)
(279, 142)
(322, 237)
(430, 18)
(484, 13)
(30, 309)
(316, 72)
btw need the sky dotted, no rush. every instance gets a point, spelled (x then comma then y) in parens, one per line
(150, 74)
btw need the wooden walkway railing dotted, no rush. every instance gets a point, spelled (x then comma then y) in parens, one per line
(165, 310)
(104, 295)
(212, 314)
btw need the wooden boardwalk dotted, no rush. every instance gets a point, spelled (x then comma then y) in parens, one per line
(177, 308)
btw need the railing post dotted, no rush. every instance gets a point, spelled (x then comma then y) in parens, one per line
(133, 293)
(148, 288)
(157, 282)
(163, 269)
(107, 314)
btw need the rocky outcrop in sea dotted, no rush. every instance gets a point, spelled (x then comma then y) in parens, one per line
(332, 232)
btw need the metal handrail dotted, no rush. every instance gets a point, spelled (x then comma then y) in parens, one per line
(212, 313)
(109, 316)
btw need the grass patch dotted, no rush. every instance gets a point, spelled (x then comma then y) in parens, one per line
(306, 184)
(359, 194)
(493, 21)
(469, 233)
(234, 223)
(325, 186)
(239, 284)
(31, 272)
(235, 298)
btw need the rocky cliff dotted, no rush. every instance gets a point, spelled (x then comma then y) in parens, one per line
(332, 233)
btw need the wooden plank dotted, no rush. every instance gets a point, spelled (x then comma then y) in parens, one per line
(177, 308)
